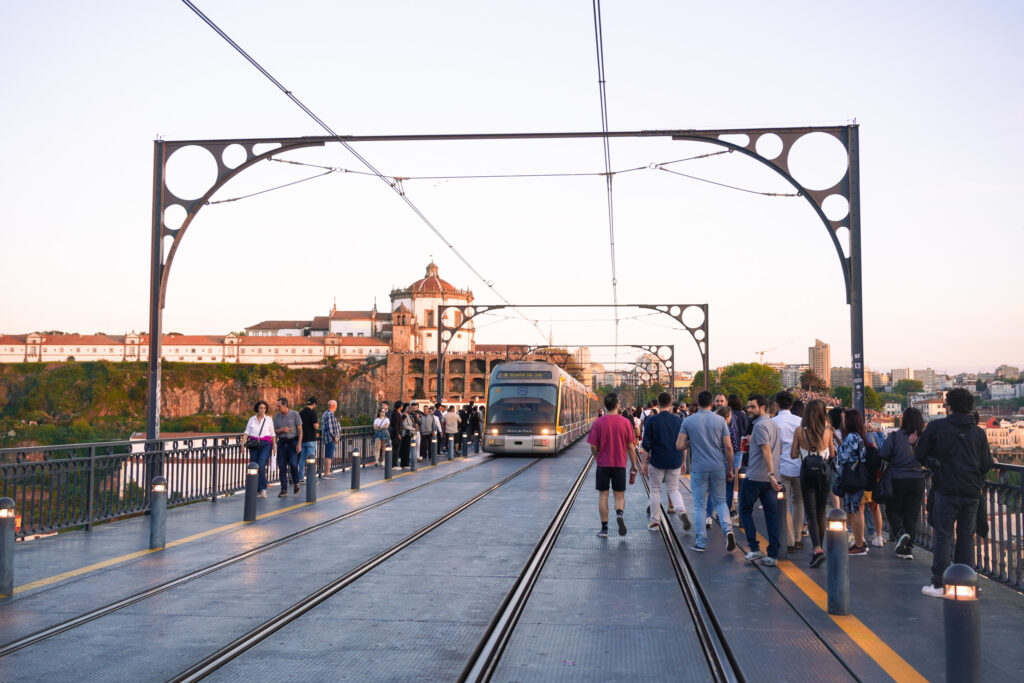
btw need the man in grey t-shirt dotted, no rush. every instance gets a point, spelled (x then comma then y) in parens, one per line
(288, 427)
(707, 436)
(761, 483)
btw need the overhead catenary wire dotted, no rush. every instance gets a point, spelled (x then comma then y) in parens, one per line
(603, 97)
(395, 186)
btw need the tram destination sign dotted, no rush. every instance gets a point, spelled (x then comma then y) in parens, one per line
(524, 374)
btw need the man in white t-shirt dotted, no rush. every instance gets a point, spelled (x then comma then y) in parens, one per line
(789, 468)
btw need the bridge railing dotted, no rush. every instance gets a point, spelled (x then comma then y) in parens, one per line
(999, 556)
(78, 485)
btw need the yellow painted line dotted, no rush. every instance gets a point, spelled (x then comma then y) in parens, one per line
(871, 644)
(875, 647)
(195, 537)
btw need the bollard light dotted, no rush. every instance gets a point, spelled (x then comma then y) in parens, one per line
(252, 468)
(311, 479)
(158, 513)
(6, 547)
(836, 525)
(357, 462)
(961, 616)
(160, 487)
(781, 495)
(960, 584)
(252, 475)
(743, 473)
(837, 558)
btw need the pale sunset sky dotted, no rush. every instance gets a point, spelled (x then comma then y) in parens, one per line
(935, 86)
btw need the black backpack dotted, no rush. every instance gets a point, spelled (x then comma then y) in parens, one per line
(814, 472)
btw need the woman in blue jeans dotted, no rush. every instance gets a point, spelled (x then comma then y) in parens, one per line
(261, 428)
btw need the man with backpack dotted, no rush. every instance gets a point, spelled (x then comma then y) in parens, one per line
(956, 452)
(428, 427)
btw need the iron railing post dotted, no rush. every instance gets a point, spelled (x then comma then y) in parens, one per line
(89, 502)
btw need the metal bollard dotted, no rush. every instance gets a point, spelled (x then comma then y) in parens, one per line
(311, 479)
(782, 515)
(387, 461)
(158, 514)
(837, 558)
(357, 461)
(414, 452)
(451, 447)
(433, 449)
(252, 481)
(6, 547)
(465, 444)
(961, 618)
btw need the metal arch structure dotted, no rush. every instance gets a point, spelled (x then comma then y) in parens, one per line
(467, 312)
(668, 358)
(162, 254)
(848, 187)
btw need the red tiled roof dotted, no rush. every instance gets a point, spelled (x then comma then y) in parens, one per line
(190, 339)
(320, 322)
(351, 315)
(312, 341)
(83, 339)
(280, 325)
(13, 338)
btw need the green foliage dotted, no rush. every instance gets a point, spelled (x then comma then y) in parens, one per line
(102, 401)
(907, 386)
(844, 394)
(872, 400)
(744, 379)
(888, 397)
(811, 382)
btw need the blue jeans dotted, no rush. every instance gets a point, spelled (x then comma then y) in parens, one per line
(709, 487)
(737, 460)
(308, 451)
(287, 459)
(261, 456)
(750, 493)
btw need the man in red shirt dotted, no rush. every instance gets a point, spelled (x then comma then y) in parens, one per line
(610, 439)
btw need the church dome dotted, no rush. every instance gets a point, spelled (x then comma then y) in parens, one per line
(431, 284)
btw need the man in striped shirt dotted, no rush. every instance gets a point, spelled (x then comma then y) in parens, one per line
(330, 432)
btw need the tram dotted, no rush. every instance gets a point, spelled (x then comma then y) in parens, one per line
(535, 407)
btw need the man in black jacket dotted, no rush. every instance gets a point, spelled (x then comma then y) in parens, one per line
(956, 451)
(395, 429)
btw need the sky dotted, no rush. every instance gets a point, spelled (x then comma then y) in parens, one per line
(936, 88)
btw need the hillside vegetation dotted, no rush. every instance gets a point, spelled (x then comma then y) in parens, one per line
(45, 404)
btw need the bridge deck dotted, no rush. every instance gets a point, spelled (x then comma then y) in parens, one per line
(602, 609)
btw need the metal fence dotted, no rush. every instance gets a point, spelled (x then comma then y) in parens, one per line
(78, 485)
(1000, 556)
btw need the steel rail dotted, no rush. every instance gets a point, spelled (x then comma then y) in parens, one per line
(709, 630)
(222, 656)
(99, 612)
(487, 654)
(796, 610)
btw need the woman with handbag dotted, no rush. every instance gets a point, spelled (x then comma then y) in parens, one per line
(814, 439)
(381, 435)
(907, 481)
(259, 441)
(852, 477)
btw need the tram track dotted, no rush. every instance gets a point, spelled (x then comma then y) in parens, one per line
(253, 637)
(110, 608)
(667, 529)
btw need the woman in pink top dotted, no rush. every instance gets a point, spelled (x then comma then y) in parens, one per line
(261, 428)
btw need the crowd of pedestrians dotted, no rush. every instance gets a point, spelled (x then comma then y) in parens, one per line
(808, 453)
(286, 439)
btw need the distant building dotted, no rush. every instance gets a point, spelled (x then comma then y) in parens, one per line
(819, 359)
(1008, 372)
(790, 374)
(1001, 391)
(843, 377)
(892, 408)
(927, 378)
(900, 374)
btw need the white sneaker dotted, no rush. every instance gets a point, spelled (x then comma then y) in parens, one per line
(877, 542)
(261, 494)
(753, 555)
(709, 522)
(931, 591)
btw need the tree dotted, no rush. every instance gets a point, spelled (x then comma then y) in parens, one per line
(980, 385)
(906, 386)
(811, 382)
(697, 385)
(844, 394)
(872, 400)
(744, 379)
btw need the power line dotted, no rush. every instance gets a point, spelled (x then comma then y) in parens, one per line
(731, 187)
(395, 186)
(603, 96)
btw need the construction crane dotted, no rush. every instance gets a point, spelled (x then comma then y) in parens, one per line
(760, 354)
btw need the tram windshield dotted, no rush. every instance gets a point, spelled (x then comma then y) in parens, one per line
(522, 404)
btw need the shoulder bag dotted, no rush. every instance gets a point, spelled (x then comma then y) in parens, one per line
(253, 442)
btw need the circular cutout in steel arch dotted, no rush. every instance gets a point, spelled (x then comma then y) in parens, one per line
(190, 172)
(817, 161)
(693, 316)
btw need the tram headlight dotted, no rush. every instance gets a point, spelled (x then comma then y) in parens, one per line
(494, 431)
(545, 430)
